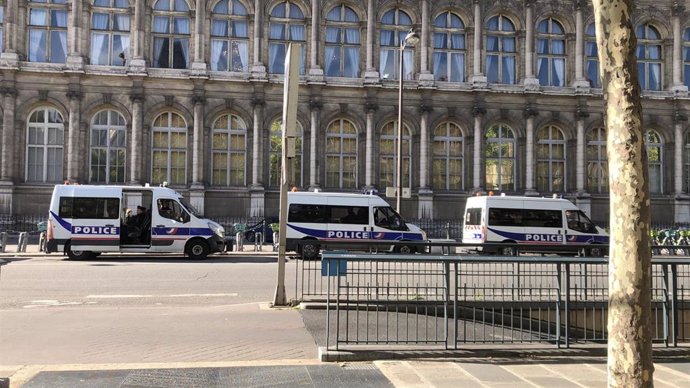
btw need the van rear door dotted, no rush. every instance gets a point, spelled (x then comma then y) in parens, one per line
(95, 218)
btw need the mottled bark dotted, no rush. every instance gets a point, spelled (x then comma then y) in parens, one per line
(629, 331)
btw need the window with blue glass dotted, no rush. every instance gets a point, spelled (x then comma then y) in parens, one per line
(597, 161)
(448, 153)
(171, 33)
(110, 32)
(449, 48)
(649, 57)
(230, 37)
(48, 31)
(592, 57)
(500, 50)
(550, 53)
(388, 155)
(286, 25)
(500, 158)
(395, 24)
(551, 160)
(108, 152)
(45, 137)
(342, 42)
(655, 161)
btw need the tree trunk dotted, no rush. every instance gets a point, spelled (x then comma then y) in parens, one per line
(629, 331)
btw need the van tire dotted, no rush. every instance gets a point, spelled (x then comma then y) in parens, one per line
(404, 249)
(197, 249)
(595, 252)
(309, 250)
(79, 255)
(507, 251)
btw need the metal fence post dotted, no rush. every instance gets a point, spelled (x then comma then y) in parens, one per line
(567, 305)
(666, 304)
(674, 304)
(3, 242)
(42, 242)
(276, 241)
(21, 242)
(258, 241)
(239, 241)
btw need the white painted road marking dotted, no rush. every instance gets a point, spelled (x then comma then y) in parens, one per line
(158, 296)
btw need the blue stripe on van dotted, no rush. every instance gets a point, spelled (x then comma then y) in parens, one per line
(182, 231)
(355, 235)
(61, 221)
(540, 238)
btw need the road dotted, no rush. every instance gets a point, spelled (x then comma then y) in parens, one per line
(138, 309)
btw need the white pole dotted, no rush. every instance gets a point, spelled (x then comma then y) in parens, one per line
(288, 153)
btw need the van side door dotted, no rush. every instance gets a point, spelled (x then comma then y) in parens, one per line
(170, 228)
(94, 216)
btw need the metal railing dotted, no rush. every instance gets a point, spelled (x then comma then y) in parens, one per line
(448, 300)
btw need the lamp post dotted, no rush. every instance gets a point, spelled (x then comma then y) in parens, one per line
(410, 39)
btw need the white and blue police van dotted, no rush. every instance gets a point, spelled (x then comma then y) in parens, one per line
(315, 217)
(85, 221)
(540, 224)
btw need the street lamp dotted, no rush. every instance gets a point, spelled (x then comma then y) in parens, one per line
(410, 39)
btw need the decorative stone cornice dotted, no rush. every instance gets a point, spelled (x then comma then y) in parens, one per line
(478, 110)
(73, 94)
(677, 9)
(679, 117)
(197, 99)
(43, 95)
(8, 91)
(169, 100)
(530, 112)
(371, 106)
(257, 101)
(426, 108)
(581, 113)
(136, 96)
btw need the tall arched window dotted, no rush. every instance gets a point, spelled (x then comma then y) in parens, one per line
(169, 158)
(388, 154)
(342, 42)
(686, 57)
(592, 57)
(275, 156)
(597, 162)
(395, 24)
(286, 25)
(500, 50)
(341, 155)
(655, 161)
(449, 153)
(171, 33)
(230, 37)
(649, 57)
(449, 48)
(48, 31)
(45, 136)
(110, 32)
(108, 147)
(551, 160)
(229, 151)
(550, 53)
(500, 158)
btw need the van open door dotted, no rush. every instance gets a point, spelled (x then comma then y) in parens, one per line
(95, 221)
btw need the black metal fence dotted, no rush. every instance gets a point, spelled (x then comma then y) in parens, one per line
(448, 300)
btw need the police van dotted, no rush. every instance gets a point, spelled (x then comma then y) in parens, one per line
(541, 224)
(85, 221)
(315, 217)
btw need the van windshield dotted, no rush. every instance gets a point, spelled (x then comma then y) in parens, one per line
(189, 207)
(386, 217)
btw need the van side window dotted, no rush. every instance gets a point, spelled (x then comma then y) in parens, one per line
(171, 209)
(578, 221)
(358, 215)
(307, 213)
(505, 217)
(473, 216)
(542, 218)
(385, 217)
(91, 208)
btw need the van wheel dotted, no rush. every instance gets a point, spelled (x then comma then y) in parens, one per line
(197, 249)
(79, 255)
(508, 251)
(595, 252)
(404, 249)
(309, 250)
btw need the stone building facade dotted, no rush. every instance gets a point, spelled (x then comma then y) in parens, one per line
(499, 96)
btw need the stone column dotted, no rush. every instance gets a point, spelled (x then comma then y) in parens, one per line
(75, 61)
(198, 65)
(678, 87)
(425, 207)
(74, 96)
(681, 203)
(9, 56)
(580, 115)
(8, 140)
(478, 79)
(371, 75)
(137, 64)
(425, 76)
(198, 142)
(315, 72)
(135, 156)
(256, 190)
(369, 168)
(530, 113)
(258, 68)
(580, 83)
(478, 113)
(530, 83)
(313, 170)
